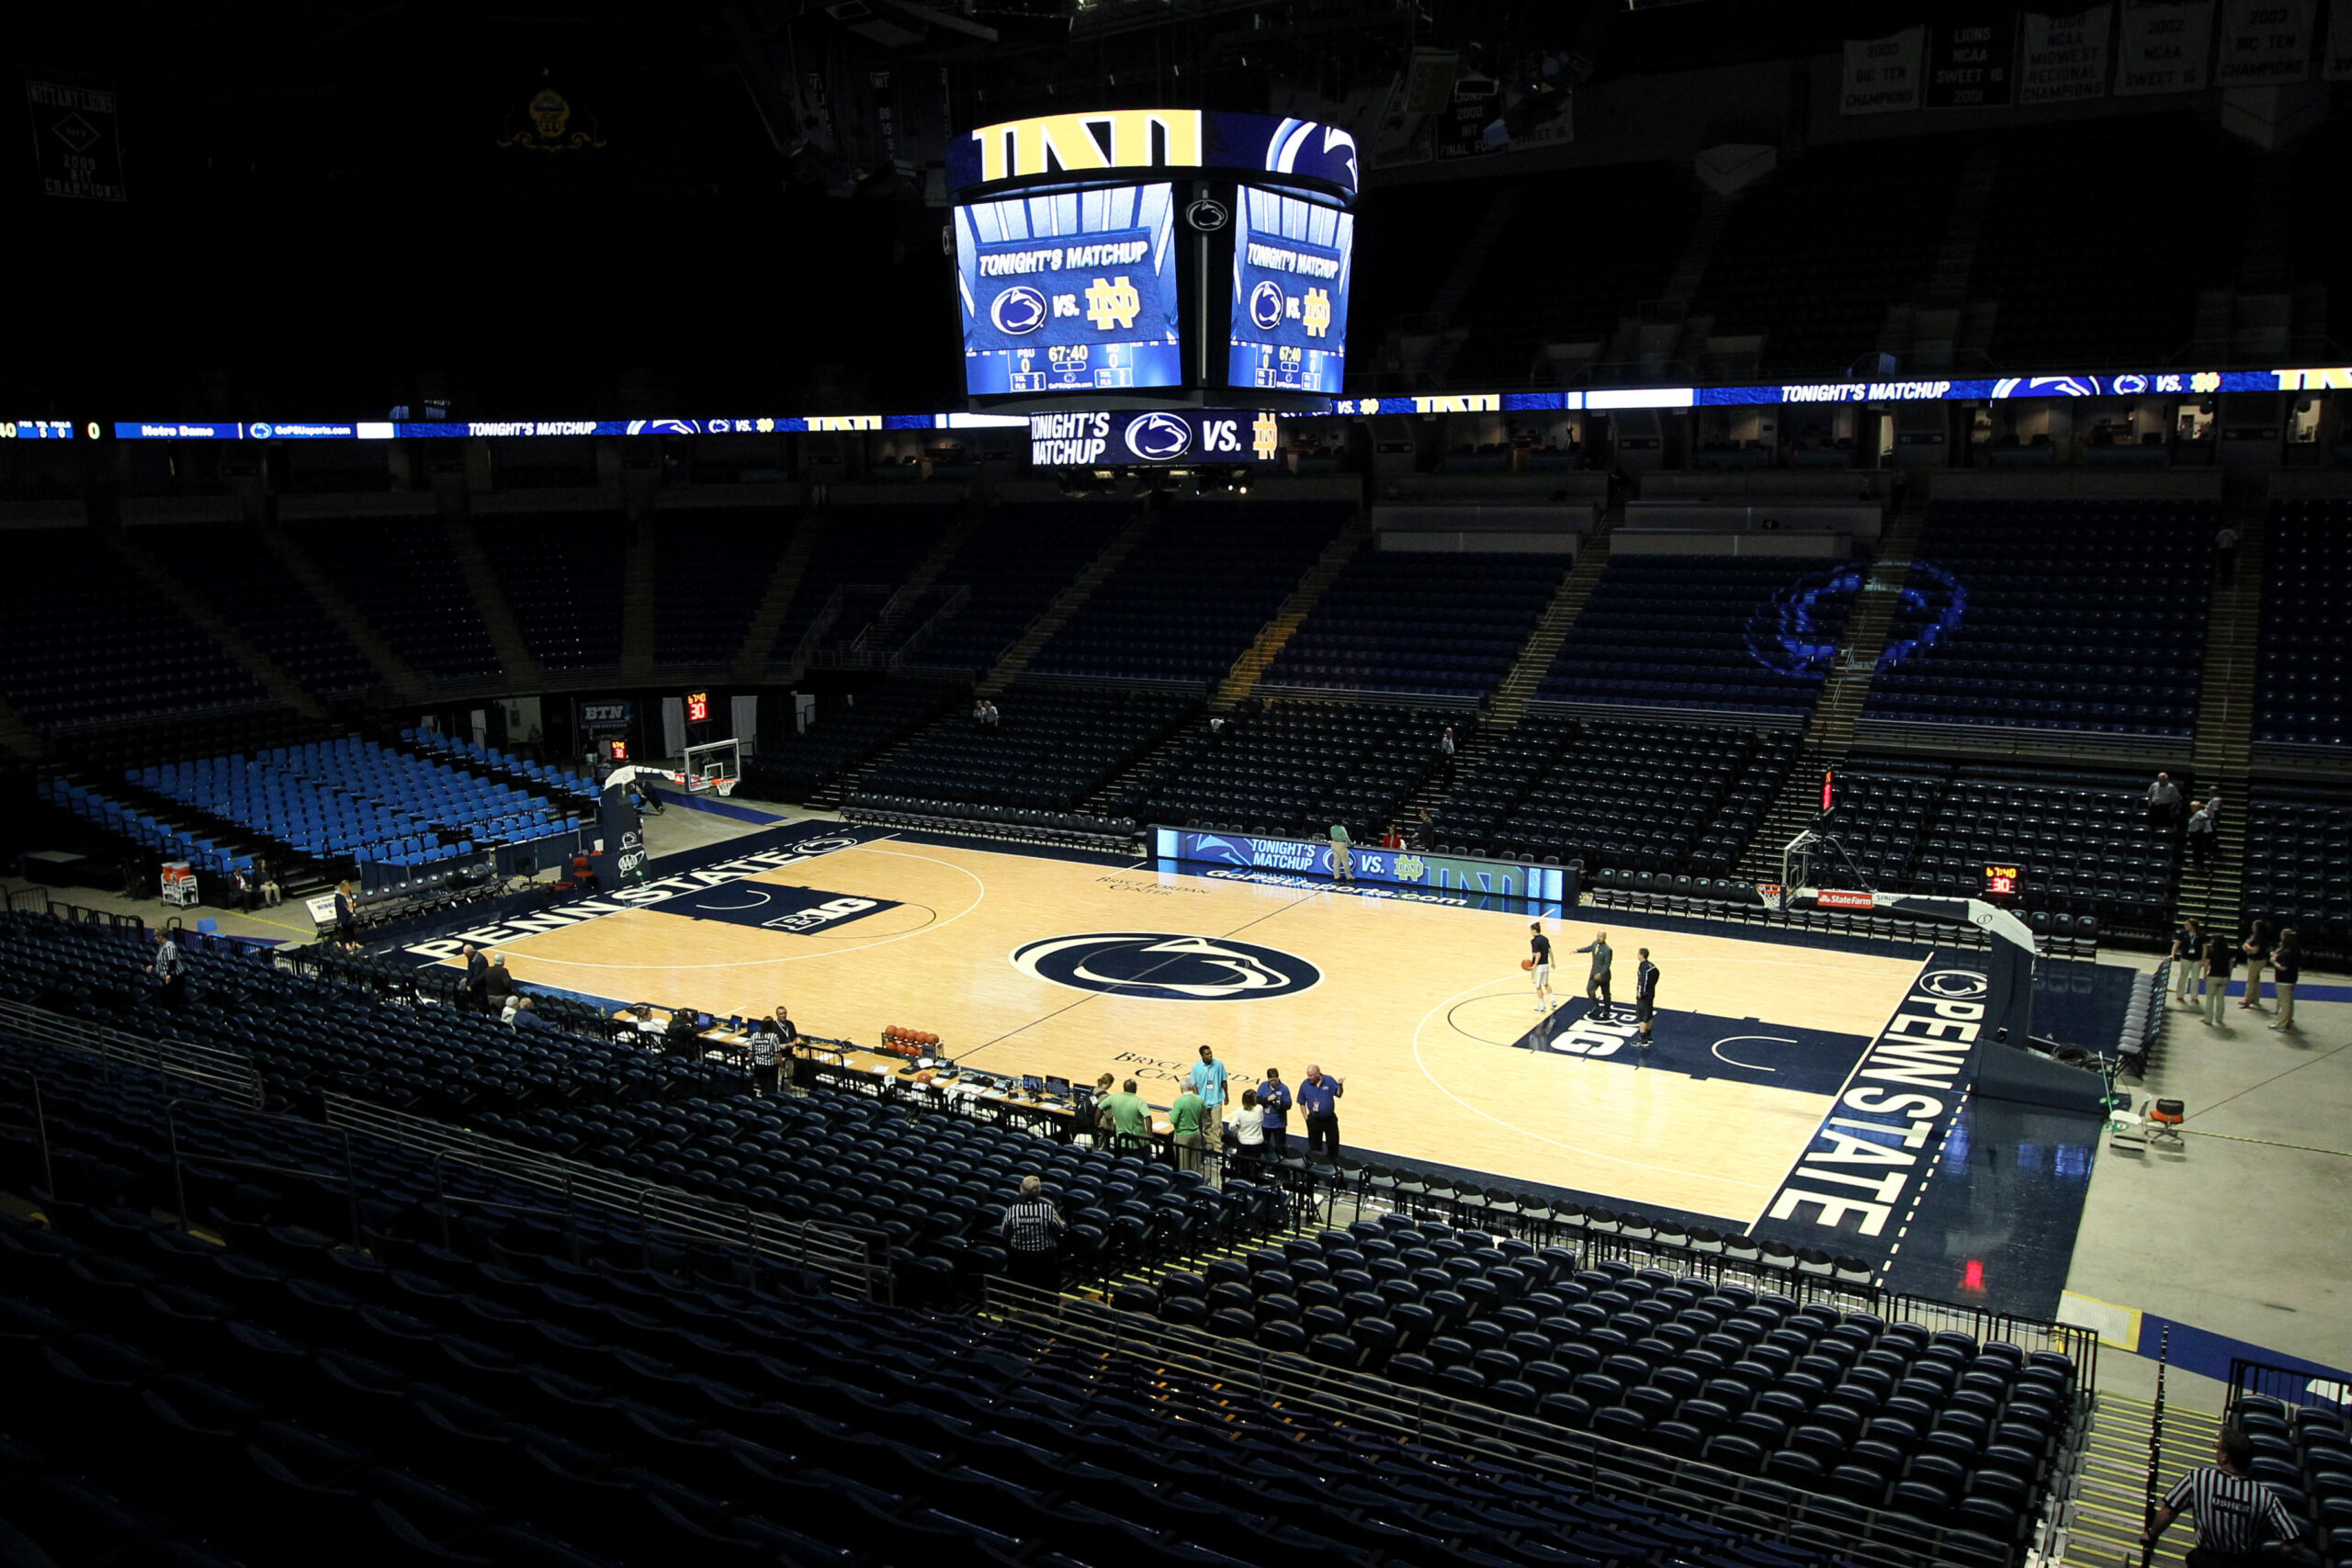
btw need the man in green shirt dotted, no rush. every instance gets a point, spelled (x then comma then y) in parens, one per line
(1130, 1117)
(1339, 842)
(1184, 1120)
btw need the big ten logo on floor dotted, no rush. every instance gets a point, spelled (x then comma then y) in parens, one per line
(1584, 1037)
(801, 911)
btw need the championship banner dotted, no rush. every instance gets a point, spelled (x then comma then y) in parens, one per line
(2265, 43)
(77, 141)
(2063, 57)
(1968, 65)
(2335, 64)
(2167, 47)
(1882, 74)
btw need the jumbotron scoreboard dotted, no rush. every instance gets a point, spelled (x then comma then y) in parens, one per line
(1151, 258)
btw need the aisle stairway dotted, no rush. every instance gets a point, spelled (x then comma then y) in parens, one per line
(395, 671)
(281, 686)
(1829, 732)
(1552, 627)
(926, 572)
(2111, 1501)
(522, 670)
(2223, 751)
(638, 567)
(1016, 657)
(751, 658)
(1276, 634)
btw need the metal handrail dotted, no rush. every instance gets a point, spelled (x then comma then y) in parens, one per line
(1588, 1459)
(179, 1170)
(40, 1128)
(843, 1254)
(229, 1072)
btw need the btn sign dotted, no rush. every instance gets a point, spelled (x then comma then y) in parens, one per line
(698, 708)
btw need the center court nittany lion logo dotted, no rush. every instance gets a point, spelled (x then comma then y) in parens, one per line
(1164, 967)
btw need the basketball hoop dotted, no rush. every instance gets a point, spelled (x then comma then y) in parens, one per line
(713, 768)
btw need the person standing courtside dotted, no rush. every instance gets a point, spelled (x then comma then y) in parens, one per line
(2287, 970)
(1273, 1106)
(2219, 959)
(1645, 994)
(2240, 1521)
(1541, 946)
(1130, 1117)
(1186, 1118)
(2188, 954)
(1596, 985)
(1031, 1230)
(1207, 1078)
(1339, 862)
(1319, 1098)
(1245, 1131)
(2256, 949)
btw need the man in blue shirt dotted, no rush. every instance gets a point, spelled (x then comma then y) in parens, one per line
(1273, 1100)
(1319, 1097)
(1207, 1078)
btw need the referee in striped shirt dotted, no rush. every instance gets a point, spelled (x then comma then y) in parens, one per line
(2240, 1522)
(1033, 1231)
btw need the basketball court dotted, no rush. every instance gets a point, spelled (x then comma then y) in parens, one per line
(1026, 963)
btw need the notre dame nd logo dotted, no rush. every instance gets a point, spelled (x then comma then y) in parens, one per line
(1112, 301)
(1318, 312)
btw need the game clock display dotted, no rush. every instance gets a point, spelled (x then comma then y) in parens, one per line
(2004, 883)
(1070, 291)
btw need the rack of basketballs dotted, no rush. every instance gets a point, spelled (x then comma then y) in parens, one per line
(914, 1044)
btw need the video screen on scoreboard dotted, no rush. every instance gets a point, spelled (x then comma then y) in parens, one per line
(1070, 291)
(1291, 258)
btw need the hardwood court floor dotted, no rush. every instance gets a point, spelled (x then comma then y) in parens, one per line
(1416, 1008)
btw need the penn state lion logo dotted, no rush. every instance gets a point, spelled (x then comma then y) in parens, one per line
(1161, 966)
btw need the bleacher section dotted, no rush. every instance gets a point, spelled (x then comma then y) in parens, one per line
(400, 574)
(1435, 626)
(2084, 839)
(1765, 277)
(1701, 632)
(2299, 864)
(348, 802)
(561, 574)
(1934, 1424)
(89, 642)
(1617, 795)
(793, 767)
(1293, 769)
(2052, 614)
(870, 547)
(710, 566)
(250, 587)
(2303, 695)
(1054, 746)
(1013, 565)
(1187, 601)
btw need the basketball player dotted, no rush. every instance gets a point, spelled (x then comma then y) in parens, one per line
(1541, 956)
(1596, 988)
(1645, 994)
